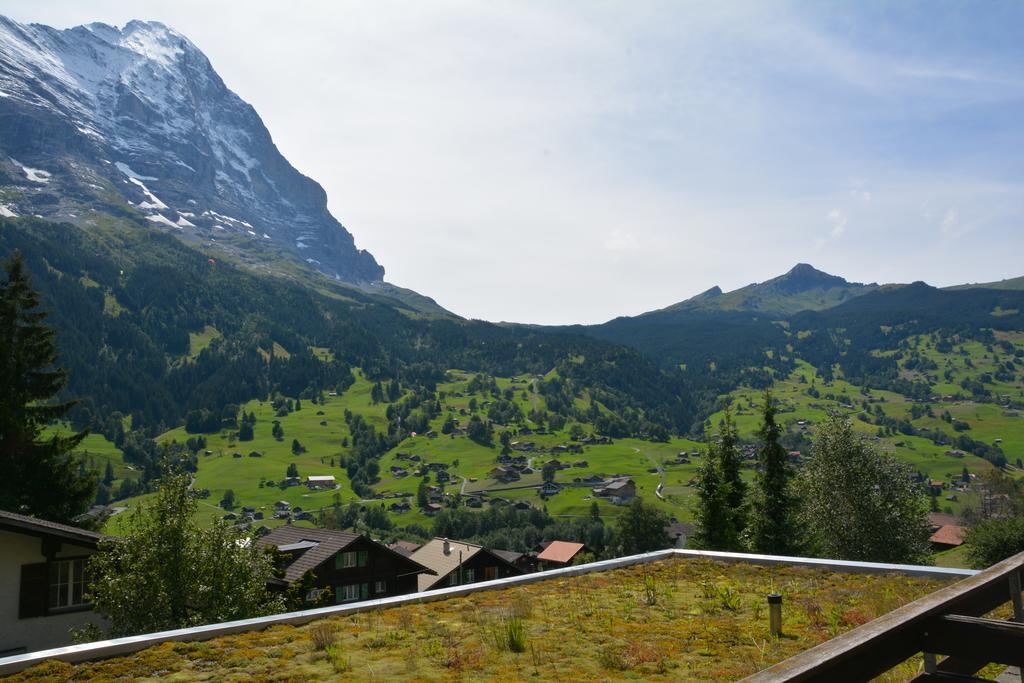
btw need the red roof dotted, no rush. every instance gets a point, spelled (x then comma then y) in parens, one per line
(950, 534)
(560, 551)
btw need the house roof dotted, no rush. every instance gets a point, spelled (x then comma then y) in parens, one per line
(406, 548)
(560, 551)
(12, 521)
(509, 556)
(949, 534)
(327, 543)
(320, 477)
(939, 519)
(432, 555)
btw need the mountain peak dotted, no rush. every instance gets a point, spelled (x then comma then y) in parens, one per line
(139, 113)
(802, 277)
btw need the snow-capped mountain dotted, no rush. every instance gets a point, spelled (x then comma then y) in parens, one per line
(137, 122)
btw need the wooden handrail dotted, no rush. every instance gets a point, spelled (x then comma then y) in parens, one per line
(881, 644)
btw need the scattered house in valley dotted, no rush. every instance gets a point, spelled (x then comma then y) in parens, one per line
(474, 502)
(504, 474)
(559, 554)
(956, 453)
(524, 446)
(521, 505)
(432, 509)
(455, 563)
(42, 582)
(679, 532)
(348, 567)
(549, 488)
(581, 463)
(619, 491)
(292, 481)
(403, 506)
(325, 481)
(282, 505)
(935, 487)
(948, 536)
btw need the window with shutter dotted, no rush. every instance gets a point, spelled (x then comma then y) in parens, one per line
(364, 591)
(361, 558)
(32, 596)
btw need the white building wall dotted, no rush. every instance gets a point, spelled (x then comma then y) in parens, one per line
(36, 633)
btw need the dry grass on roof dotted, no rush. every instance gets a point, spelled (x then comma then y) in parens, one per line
(670, 620)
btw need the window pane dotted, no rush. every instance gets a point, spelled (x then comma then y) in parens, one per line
(362, 558)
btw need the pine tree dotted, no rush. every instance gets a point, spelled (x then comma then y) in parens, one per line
(716, 528)
(772, 527)
(729, 461)
(42, 477)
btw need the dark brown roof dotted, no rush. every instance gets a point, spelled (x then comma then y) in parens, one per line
(406, 548)
(12, 521)
(509, 556)
(328, 542)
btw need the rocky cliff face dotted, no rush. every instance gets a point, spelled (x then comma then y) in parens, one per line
(136, 122)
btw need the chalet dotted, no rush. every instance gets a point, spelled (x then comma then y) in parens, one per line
(559, 554)
(592, 479)
(282, 505)
(474, 502)
(42, 582)
(454, 563)
(956, 453)
(437, 466)
(521, 505)
(306, 516)
(948, 536)
(521, 445)
(504, 474)
(618, 490)
(400, 507)
(292, 481)
(549, 488)
(321, 481)
(347, 567)
(432, 509)
(580, 463)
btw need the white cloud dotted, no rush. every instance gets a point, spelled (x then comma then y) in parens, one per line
(838, 219)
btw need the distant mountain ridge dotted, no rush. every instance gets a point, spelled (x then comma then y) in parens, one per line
(1014, 284)
(135, 123)
(803, 287)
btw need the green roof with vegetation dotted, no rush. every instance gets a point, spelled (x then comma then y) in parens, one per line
(671, 619)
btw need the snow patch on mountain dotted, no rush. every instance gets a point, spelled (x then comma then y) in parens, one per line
(6, 211)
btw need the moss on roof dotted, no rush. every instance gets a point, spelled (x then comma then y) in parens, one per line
(675, 619)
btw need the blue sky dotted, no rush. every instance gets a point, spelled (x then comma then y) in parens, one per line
(562, 162)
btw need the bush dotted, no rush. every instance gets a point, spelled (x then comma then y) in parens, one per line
(323, 635)
(994, 540)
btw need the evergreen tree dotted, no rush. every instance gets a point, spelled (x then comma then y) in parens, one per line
(772, 520)
(422, 495)
(41, 477)
(641, 529)
(716, 528)
(108, 474)
(729, 460)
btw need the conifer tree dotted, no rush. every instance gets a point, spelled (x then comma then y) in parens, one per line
(41, 476)
(773, 506)
(715, 528)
